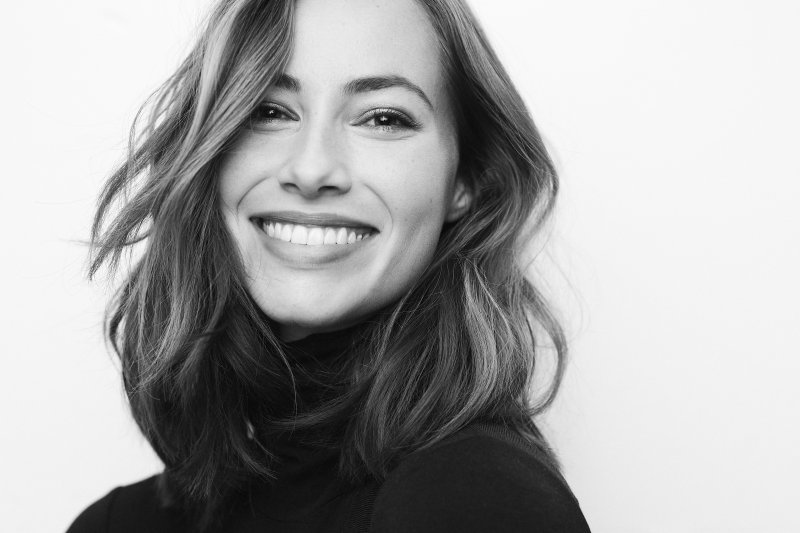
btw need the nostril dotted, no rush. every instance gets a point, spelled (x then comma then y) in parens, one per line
(289, 186)
(314, 192)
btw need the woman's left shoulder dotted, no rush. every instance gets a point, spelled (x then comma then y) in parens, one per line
(479, 479)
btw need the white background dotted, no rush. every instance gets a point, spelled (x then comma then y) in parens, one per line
(675, 125)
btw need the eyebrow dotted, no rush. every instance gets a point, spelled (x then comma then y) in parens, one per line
(361, 85)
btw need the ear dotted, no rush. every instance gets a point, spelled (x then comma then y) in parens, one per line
(460, 202)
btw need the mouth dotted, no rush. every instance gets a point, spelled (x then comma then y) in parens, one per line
(313, 234)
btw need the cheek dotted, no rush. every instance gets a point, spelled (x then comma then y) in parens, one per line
(239, 171)
(242, 169)
(414, 185)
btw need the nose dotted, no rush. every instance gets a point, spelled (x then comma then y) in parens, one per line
(314, 166)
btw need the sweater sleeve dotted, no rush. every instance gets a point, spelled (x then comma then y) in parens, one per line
(475, 484)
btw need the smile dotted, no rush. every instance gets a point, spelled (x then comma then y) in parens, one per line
(310, 235)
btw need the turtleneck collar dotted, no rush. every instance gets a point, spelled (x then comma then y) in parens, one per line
(322, 347)
(316, 366)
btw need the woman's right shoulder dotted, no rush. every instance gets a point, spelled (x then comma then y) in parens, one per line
(482, 478)
(130, 508)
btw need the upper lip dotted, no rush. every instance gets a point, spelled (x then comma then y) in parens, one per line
(314, 219)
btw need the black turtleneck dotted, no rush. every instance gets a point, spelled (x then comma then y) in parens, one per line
(307, 494)
(474, 481)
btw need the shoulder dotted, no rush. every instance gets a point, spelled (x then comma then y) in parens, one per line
(135, 507)
(476, 480)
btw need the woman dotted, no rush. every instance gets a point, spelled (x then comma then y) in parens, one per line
(327, 328)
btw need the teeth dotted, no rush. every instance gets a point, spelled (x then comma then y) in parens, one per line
(300, 235)
(315, 236)
(286, 232)
(312, 235)
(341, 236)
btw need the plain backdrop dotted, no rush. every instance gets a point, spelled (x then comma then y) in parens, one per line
(674, 256)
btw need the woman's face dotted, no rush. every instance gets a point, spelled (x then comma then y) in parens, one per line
(337, 193)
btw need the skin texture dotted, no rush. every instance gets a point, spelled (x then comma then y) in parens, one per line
(315, 149)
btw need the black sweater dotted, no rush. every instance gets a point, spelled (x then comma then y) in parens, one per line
(477, 480)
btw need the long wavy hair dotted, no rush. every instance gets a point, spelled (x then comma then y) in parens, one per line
(202, 366)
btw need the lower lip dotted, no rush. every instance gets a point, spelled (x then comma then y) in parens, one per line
(303, 255)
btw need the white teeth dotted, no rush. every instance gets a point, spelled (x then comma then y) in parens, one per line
(315, 237)
(311, 235)
(300, 235)
(286, 233)
(330, 236)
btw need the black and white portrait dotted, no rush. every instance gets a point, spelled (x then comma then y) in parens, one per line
(401, 266)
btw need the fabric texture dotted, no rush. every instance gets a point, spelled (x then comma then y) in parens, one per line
(479, 479)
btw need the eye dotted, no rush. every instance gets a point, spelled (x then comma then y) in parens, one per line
(389, 120)
(268, 113)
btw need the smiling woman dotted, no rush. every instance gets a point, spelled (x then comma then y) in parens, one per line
(348, 128)
(328, 328)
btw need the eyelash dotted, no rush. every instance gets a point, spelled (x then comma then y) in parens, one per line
(405, 122)
(267, 107)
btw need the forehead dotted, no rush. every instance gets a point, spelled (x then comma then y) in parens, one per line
(336, 41)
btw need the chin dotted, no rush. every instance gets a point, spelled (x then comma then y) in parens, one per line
(317, 306)
(314, 317)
